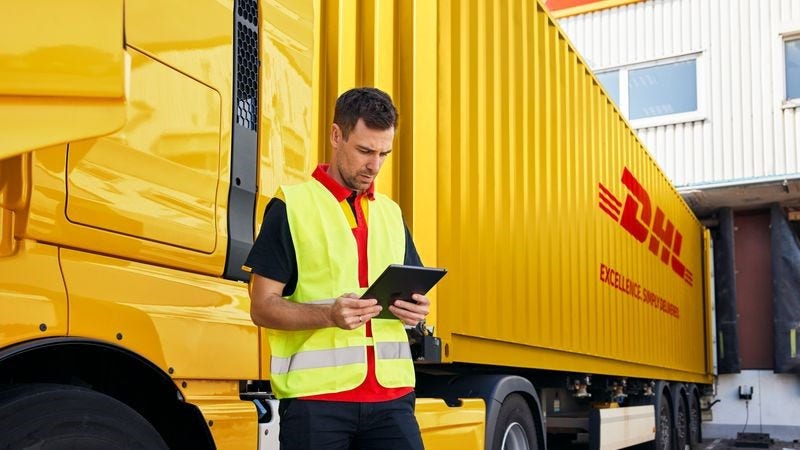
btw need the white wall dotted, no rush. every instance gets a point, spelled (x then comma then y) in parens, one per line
(745, 131)
(774, 409)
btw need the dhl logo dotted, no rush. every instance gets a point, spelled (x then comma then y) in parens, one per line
(637, 218)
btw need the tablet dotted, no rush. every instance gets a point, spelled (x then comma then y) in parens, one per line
(398, 282)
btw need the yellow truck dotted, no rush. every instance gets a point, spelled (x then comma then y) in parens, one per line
(141, 140)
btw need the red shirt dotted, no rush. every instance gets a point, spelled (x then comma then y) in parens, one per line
(370, 390)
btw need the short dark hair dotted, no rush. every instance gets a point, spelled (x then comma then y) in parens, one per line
(372, 105)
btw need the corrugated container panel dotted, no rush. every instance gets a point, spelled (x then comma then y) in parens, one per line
(528, 149)
(746, 132)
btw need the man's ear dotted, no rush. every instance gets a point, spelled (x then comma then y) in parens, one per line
(336, 135)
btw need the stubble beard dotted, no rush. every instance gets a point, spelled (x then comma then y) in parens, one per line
(354, 184)
(351, 182)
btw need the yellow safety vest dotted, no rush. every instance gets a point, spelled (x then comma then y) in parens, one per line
(328, 360)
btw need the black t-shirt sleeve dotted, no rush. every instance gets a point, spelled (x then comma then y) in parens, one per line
(412, 257)
(273, 255)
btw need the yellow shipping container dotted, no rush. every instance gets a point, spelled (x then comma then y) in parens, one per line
(562, 236)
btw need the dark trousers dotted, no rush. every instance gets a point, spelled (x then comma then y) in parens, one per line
(313, 424)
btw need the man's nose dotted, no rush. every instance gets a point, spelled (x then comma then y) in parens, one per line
(374, 162)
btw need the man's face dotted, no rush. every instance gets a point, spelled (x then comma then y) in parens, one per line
(357, 160)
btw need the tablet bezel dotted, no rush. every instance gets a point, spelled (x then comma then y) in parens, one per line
(399, 282)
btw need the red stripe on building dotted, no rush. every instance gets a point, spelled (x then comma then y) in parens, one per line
(555, 5)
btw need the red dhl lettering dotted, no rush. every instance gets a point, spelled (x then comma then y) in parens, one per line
(636, 217)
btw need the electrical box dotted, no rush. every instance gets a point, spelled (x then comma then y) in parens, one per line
(745, 392)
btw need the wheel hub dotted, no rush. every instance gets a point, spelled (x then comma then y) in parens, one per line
(515, 438)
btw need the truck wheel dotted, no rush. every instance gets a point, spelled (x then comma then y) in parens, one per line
(680, 419)
(663, 423)
(694, 418)
(515, 428)
(61, 417)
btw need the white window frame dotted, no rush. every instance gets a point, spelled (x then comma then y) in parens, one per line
(787, 33)
(668, 119)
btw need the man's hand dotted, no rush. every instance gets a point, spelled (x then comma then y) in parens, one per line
(411, 313)
(270, 310)
(350, 312)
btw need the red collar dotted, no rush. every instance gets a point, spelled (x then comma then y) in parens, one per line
(339, 192)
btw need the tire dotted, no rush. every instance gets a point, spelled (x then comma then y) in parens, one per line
(680, 417)
(515, 428)
(56, 417)
(695, 420)
(664, 422)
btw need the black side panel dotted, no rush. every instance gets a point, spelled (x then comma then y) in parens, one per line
(594, 429)
(725, 288)
(785, 288)
(244, 154)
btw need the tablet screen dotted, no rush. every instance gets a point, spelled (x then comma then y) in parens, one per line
(399, 282)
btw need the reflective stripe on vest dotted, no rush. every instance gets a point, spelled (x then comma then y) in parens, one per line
(315, 359)
(311, 362)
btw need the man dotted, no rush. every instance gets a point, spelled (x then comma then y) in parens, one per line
(344, 379)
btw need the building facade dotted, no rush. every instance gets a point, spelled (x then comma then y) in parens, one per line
(713, 89)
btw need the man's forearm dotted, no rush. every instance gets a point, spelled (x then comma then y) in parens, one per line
(280, 314)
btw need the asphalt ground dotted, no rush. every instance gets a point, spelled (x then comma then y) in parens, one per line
(730, 444)
(708, 444)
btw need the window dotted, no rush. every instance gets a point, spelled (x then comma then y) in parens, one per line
(656, 93)
(792, 53)
(662, 90)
